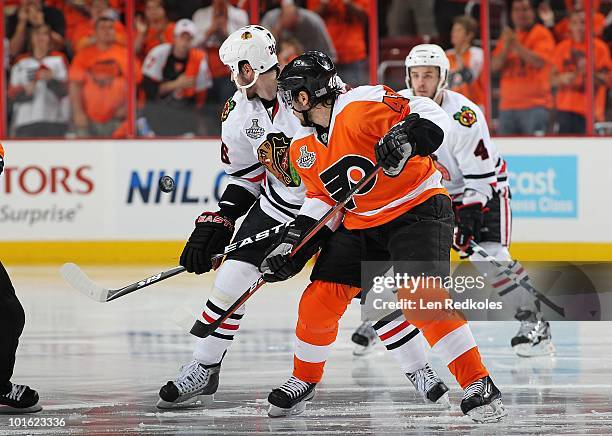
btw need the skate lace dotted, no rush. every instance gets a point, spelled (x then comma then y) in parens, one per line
(476, 388)
(424, 379)
(294, 387)
(367, 331)
(191, 377)
(16, 392)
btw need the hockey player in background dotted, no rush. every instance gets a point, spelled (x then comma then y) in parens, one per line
(14, 398)
(476, 177)
(403, 215)
(256, 133)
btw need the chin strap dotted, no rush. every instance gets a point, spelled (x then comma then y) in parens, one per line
(243, 88)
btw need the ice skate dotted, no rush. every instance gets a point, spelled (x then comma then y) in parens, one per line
(19, 399)
(365, 339)
(430, 386)
(195, 383)
(482, 401)
(290, 398)
(533, 338)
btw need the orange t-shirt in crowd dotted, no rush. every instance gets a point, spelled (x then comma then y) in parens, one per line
(348, 36)
(570, 57)
(359, 119)
(475, 89)
(562, 31)
(155, 37)
(82, 34)
(104, 78)
(523, 86)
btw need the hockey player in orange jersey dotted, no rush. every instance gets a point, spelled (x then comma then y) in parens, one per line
(402, 215)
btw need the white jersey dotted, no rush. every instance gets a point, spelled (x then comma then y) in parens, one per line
(254, 149)
(45, 105)
(467, 158)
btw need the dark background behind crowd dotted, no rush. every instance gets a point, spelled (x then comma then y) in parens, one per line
(68, 65)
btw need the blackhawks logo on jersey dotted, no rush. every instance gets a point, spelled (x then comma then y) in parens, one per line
(229, 106)
(273, 153)
(465, 116)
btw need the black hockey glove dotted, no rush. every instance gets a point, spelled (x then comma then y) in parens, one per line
(469, 218)
(277, 265)
(414, 135)
(212, 233)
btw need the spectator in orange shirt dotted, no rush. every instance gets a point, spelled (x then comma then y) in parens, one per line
(522, 56)
(84, 35)
(98, 83)
(561, 28)
(568, 75)
(288, 49)
(153, 29)
(466, 60)
(346, 22)
(176, 77)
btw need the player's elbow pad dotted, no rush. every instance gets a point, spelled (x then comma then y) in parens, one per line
(425, 136)
(235, 201)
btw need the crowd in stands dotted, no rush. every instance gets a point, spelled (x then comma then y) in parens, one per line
(67, 62)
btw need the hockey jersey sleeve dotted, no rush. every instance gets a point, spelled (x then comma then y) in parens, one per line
(475, 154)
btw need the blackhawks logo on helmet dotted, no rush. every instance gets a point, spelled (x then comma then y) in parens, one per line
(465, 116)
(229, 106)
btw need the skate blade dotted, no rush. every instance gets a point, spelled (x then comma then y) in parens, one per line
(279, 412)
(196, 401)
(492, 412)
(8, 410)
(544, 348)
(443, 401)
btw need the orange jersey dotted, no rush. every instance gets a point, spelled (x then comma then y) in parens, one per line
(523, 86)
(570, 57)
(471, 59)
(360, 117)
(347, 33)
(154, 37)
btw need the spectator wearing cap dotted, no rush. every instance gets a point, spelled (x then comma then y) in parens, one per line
(153, 29)
(214, 23)
(569, 77)
(98, 86)
(32, 13)
(466, 60)
(291, 21)
(84, 34)
(522, 57)
(176, 77)
(38, 89)
(346, 24)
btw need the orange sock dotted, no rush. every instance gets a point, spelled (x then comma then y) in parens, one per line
(468, 367)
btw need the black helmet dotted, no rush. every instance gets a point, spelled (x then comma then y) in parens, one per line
(313, 72)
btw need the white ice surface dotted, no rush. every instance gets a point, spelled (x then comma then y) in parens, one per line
(100, 367)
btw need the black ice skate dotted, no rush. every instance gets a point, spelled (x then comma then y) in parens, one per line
(482, 401)
(19, 399)
(533, 338)
(196, 382)
(365, 339)
(290, 398)
(430, 386)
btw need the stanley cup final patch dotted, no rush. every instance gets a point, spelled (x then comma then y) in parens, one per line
(466, 116)
(307, 158)
(255, 132)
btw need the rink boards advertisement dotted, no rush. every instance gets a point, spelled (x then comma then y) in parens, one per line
(107, 190)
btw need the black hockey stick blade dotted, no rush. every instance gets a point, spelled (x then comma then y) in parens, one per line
(79, 281)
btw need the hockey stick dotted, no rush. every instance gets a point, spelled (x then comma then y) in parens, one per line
(524, 283)
(203, 330)
(79, 280)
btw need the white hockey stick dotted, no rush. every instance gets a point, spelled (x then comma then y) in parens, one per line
(79, 280)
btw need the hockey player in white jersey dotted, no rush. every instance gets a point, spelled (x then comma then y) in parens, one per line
(475, 175)
(256, 133)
